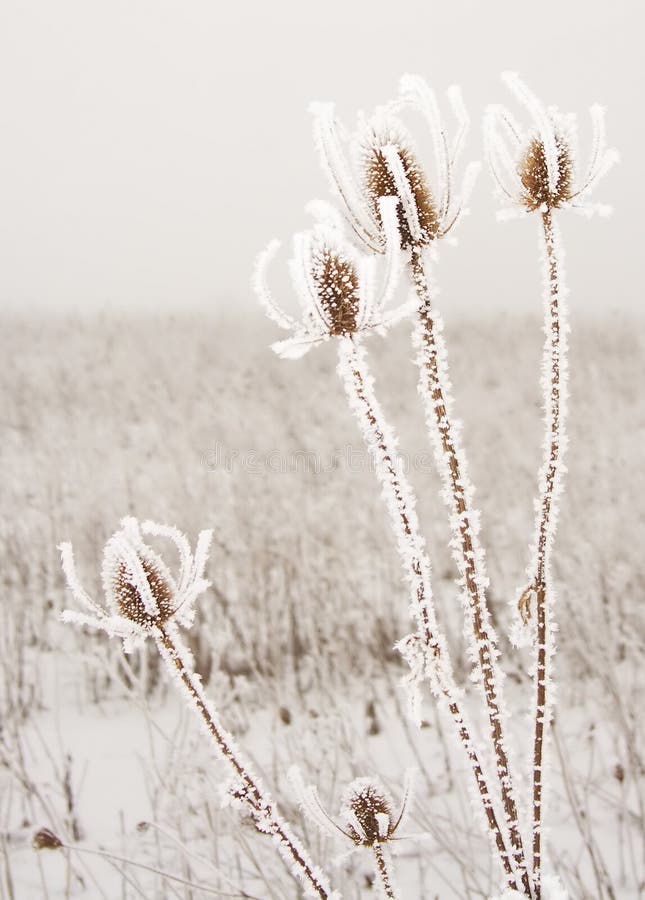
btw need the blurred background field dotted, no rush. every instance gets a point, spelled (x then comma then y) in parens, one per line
(193, 421)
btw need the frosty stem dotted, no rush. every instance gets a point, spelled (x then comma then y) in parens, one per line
(400, 501)
(433, 388)
(554, 383)
(249, 791)
(383, 869)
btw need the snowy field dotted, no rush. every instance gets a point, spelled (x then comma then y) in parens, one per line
(194, 422)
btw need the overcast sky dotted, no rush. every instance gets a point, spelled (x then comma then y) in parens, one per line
(149, 148)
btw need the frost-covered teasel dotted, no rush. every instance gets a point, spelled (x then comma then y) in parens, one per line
(141, 594)
(336, 286)
(536, 167)
(144, 600)
(380, 159)
(426, 650)
(367, 818)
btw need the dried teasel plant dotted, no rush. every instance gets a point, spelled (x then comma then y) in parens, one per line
(144, 601)
(399, 213)
(425, 650)
(384, 159)
(335, 286)
(367, 819)
(536, 169)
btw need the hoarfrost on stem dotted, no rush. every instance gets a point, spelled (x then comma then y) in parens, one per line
(144, 601)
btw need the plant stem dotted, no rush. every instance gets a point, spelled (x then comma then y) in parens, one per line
(401, 502)
(433, 389)
(111, 857)
(554, 385)
(383, 870)
(249, 792)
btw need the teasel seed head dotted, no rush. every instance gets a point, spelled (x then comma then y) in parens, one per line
(383, 162)
(369, 812)
(390, 168)
(534, 175)
(366, 814)
(336, 282)
(537, 167)
(141, 595)
(128, 599)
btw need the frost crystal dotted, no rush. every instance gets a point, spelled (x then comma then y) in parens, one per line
(382, 161)
(146, 601)
(141, 594)
(536, 168)
(335, 285)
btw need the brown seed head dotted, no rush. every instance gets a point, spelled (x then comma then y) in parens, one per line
(379, 182)
(368, 802)
(337, 289)
(535, 176)
(46, 840)
(130, 602)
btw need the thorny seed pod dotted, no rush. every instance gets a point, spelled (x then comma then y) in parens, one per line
(534, 174)
(390, 168)
(383, 162)
(129, 597)
(335, 285)
(366, 809)
(141, 594)
(535, 168)
(335, 282)
(46, 840)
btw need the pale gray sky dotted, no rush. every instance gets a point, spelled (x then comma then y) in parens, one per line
(149, 148)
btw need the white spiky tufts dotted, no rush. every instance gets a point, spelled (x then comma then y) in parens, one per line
(141, 594)
(336, 285)
(367, 812)
(536, 167)
(380, 159)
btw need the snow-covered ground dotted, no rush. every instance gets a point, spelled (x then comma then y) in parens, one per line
(194, 422)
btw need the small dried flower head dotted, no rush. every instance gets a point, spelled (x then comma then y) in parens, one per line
(128, 597)
(383, 162)
(534, 174)
(367, 809)
(335, 280)
(46, 840)
(335, 285)
(390, 168)
(142, 596)
(536, 168)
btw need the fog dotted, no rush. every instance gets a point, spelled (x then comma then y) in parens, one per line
(150, 149)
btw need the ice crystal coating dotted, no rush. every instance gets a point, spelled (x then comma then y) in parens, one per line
(390, 168)
(128, 600)
(335, 279)
(366, 812)
(141, 594)
(534, 174)
(367, 809)
(536, 168)
(381, 161)
(144, 600)
(335, 285)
